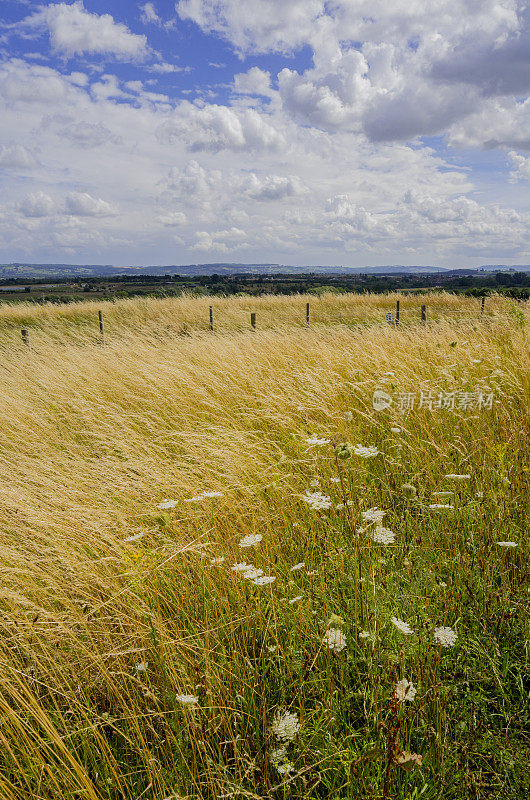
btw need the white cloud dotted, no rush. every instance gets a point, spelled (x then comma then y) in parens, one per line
(215, 128)
(149, 14)
(81, 204)
(16, 156)
(37, 204)
(520, 167)
(75, 31)
(254, 82)
(88, 135)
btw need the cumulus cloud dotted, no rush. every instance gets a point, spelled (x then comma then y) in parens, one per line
(16, 156)
(88, 135)
(81, 204)
(37, 204)
(254, 82)
(75, 31)
(215, 128)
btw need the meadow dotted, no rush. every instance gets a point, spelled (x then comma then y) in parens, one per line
(225, 574)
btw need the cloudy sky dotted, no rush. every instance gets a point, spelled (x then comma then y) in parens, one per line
(353, 132)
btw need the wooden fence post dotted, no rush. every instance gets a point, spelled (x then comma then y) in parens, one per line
(307, 313)
(25, 336)
(253, 319)
(483, 304)
(397, 312)
(423, 315)
(101, 328)
(211, 318)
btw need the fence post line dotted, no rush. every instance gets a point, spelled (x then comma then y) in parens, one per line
(25, 336)
(101, 328)
(397, 312)
(253, 319)
(423, 315)
(483, 304)
(307, 313)
(211, 318)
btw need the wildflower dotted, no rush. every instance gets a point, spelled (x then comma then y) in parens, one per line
(315, 484)
(278, 754)
(458, 477)
(284, 768)
(187, 699)
(252, 573)
(507, 544)
(242, 567)
(312, 573)
(373, 515)
(402, 626)
(250, 540)
(317, 501)
(335, 640)
(395, 430)
(286, 726)
(335, 480)
(383, 535)
(298, 566)
(405, 691)
(409, 490)
(344, 450)
(479, 495)
(212, 494)
(218, 560)
(445, 636)
(443, 494)
(142, 666)
(314, 440)
(295, 599)
(440, 505)
(194, 499)
(167, 504)
(135, 538)
(365, 452)
(264, 580)
(272, 648)
(348, 416)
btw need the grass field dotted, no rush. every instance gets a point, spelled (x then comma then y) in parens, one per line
(385, 657)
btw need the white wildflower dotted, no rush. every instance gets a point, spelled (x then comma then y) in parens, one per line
(458, 477)
(142, 666)
(278, 754)
(135, 538)
(264, 580)
(479, 495)
(272, 648)
(405, 691)
(348, 416)
(395, 430)
(218, 560)
(364, 635)
(383, 535)
(365, 452)
(314, 440)
(187, 699)
(335, 640)
(167, 504)
(317, 501)
(445, 636)
(286, 726)
(443, 494)
(252, 573)
(315, 483)
(212, 494)
(300, 565)
(335, 480)
(250, 540)
(507, 544)
(312, 573)
(440, 505)
(373, 515)
(402, 626)
(284, 768)
(295, 599)
(242, 567)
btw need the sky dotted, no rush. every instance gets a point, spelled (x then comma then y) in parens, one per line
(349, 132)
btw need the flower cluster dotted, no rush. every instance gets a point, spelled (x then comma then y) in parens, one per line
(365, 452)
(286, 726)
(314, 440)
(317, 501)
(382, 535)
(167, 504)
(402, 626)
(373, 515)
(335, 640)
(445, 636)
(250, 540)
(405, 691)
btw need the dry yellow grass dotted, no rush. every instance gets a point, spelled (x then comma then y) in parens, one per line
(93, 437)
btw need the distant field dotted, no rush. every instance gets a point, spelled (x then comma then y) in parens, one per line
(345, 656)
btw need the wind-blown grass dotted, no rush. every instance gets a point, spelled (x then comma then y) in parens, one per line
(132, 666)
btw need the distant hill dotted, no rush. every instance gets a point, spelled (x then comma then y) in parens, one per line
(78, 271)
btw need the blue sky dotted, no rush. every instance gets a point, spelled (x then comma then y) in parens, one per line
(298, 132)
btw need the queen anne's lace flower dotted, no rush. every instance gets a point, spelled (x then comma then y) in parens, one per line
(317, 501)
(298, 566)
(440, 505)
(383, 535)
(187, 699)
(314, 440)
(455, 477)
(507, 544)
(373, 515)
(242, 567)
(365, 452)
(252, 573)
(264, 580)
(286, 726)
(250, 540)
(402, 626)
(405, 691)
(335, 640)
(167, 504)
(445, 636)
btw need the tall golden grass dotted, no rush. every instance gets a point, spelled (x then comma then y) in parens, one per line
(100, 635)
